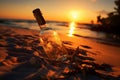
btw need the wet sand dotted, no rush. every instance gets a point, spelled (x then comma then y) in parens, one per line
(21, 58)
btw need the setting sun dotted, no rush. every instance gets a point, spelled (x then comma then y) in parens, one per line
(74, 15)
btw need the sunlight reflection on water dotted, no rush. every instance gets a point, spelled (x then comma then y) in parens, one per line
(72, 26)
(70, 29)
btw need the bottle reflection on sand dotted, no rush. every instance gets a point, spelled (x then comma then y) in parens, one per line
(49, 39)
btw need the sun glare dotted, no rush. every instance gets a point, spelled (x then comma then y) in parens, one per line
(74, 15)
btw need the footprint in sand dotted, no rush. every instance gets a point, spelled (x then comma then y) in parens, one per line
(85, 46)
(67, 42)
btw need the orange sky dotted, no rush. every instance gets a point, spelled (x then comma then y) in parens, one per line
(60, 10)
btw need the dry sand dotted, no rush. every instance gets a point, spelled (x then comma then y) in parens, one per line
(20, 61)
(102, 53)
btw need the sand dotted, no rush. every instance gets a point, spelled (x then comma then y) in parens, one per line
(22, 58)
(101, 52)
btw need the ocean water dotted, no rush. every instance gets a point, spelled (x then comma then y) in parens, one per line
(67, 28)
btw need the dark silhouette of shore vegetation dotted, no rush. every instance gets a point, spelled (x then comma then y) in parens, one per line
(111, 23)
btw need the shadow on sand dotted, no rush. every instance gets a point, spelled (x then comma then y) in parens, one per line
(25, 61)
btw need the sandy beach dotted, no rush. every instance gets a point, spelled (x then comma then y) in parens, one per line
(21, 58)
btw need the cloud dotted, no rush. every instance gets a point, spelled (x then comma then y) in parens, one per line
(93, 0)
(102, 12)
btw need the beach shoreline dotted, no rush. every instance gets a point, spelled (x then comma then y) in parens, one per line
(11, 37)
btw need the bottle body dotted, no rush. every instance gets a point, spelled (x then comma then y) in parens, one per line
(52, 44)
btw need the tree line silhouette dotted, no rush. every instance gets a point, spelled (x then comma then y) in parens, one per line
(112, 22)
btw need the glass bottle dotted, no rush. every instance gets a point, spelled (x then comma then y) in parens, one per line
(49, 39)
